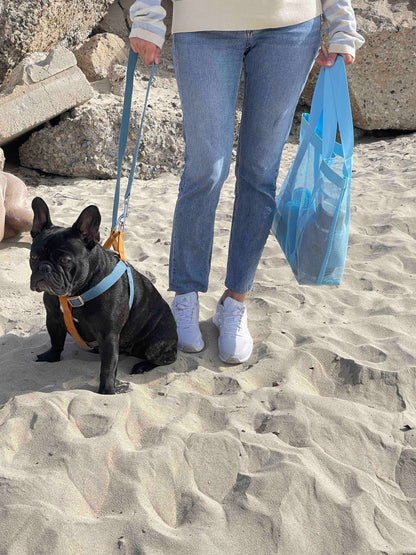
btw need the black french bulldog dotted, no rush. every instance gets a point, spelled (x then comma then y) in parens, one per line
(68, 262)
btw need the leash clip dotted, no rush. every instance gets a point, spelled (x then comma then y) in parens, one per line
(121, 222)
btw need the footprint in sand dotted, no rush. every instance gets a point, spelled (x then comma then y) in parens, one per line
(224, 385)
(378, 229)
(90, 417)
(406, 472)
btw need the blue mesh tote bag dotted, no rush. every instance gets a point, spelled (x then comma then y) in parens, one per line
(312, 215)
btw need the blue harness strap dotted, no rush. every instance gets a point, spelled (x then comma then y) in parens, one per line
(104, 285)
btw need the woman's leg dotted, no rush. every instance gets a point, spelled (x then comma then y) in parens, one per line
(208, 68)
(277, 64)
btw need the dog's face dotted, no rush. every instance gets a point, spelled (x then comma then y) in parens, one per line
(59, 257)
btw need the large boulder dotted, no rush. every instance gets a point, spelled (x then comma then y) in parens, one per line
(382, 80)
(85, 142)
(38, 26)
(40, 88)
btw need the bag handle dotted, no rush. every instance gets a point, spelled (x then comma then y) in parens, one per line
(315, 116)
(337, 113)
(330, 107)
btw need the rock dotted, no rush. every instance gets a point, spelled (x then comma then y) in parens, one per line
(117, 20)
(99, 53)
(2, 160)
(38, 26)
(117, 79)
(21, 73)
(382, 80)
(40, 66)
(85, 142)
(103, 86)
(40, 88)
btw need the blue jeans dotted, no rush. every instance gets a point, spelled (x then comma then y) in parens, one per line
(208, 67)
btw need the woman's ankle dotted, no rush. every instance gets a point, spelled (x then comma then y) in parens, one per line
(240, 297)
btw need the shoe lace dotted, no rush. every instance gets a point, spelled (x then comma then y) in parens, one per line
(232, 319)
(184, 314)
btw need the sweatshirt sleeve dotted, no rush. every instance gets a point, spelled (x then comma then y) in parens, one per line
(341, 27)
(147, 21)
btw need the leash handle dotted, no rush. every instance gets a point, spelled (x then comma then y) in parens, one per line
(118, 223)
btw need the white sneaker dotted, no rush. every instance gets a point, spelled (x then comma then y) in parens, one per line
(185, 310)
(234, 342)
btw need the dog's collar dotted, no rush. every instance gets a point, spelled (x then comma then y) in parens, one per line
(105, 284)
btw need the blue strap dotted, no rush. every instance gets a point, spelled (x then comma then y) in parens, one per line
(337, 112)
(329, 122)
(338, 79)
(124, 131)
(330, 105)
(131, 286)
(136, 151)
(105, 284)
(314, 119)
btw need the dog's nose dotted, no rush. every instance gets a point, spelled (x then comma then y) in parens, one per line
(45, 268)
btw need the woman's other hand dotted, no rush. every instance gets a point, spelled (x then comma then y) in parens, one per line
(147, 50)
(325, 59)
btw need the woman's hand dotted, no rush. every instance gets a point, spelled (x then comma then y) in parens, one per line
(147, 50)
(327, 60)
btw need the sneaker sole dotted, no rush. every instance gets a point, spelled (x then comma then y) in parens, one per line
(235, 360)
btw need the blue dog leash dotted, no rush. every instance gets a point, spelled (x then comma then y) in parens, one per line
(116, 236)
(116, 239)
(118, 223)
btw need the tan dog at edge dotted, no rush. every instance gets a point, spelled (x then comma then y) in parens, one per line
(15, 215)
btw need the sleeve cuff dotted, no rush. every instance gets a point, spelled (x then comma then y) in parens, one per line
(146, 35)
(341, 49)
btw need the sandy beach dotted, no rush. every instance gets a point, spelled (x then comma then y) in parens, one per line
(309, 447)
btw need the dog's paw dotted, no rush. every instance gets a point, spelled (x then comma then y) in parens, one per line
(118, 387)
(142, 367)
(48, 356)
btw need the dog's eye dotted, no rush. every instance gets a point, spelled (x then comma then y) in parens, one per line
(34, 256)
(64, 260)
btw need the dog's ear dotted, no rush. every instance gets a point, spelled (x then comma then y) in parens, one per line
(88, 224)
(41, 217)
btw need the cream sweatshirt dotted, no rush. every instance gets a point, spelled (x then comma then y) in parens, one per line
(247, 15)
